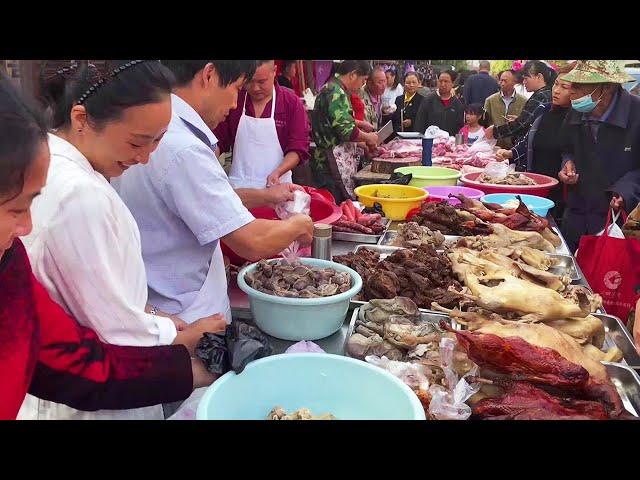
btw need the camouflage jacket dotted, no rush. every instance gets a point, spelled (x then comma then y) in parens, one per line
(331, 120)
(371, 114)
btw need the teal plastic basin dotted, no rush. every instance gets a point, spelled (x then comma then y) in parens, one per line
(300, 318)
(345, 387)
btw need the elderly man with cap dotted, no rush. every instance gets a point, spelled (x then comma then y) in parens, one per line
(603, 168)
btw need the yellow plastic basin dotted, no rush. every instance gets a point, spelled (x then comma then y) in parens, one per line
(396, 200)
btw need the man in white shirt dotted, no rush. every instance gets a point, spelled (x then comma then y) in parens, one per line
(184, 204)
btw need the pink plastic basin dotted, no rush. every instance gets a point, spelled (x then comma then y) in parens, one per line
(437, 194)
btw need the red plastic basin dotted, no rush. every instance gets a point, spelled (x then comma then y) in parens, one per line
(542, 189)
(321, 212)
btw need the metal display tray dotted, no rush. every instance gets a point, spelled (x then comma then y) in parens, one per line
(390, 235)
(361, 237)
(624, 378)
(617, 335)
(627, 382)
(566, 266)
(433, 317)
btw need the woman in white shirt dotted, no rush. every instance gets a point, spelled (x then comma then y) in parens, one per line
(394, 89)
(85, 245)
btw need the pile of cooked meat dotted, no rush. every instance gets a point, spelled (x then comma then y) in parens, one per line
(298, 280)
(412, 235)
(423, 275)
(510, 179)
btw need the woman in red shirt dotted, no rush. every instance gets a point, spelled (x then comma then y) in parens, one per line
(43, 351)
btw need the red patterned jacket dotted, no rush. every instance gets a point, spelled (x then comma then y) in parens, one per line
(45, 352)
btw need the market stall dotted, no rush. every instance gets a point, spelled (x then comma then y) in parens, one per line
(416, 348)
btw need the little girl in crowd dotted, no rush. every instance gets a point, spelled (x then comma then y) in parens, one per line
(472, 129)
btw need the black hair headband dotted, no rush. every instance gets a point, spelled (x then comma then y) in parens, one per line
(100, 82)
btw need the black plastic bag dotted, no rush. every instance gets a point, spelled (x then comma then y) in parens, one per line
(377, 208)
(398, 179)
(212, 350)
(245, 343)
(241, 344)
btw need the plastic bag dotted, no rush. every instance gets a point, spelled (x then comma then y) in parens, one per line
(482, 145)
(245, 344)
(189, 407)
(499, 170)
(398, 179)
(614, 230)
(291, 254)
(301, 203)
(212, 350)
(448, 403)
(435, 132)
(242, 343)
(377, 208)
(304, 346)
(413, 375)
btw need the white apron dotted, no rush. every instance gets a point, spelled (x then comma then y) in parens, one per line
(256, 151)
(212, 297)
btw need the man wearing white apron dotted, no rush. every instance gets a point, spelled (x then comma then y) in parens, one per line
(269, 132)
(184, 205)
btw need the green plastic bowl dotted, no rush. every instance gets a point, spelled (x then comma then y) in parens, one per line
(348, 388)
(431, 176)
(300, 318)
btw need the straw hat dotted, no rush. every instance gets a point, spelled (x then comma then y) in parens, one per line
(598, 71)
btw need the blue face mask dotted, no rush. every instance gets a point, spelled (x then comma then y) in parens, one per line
(585, 104)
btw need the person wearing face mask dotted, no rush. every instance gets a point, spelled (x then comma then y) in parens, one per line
(84, 246)
(371, 95)
(333, 124)
(407, 105)
(538, 78)
(185, 205)
(602, 169)
(269, 132)
(542, 148)
(441, 108)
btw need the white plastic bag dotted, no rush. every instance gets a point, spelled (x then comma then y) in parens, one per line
(412, 374)
(448, 403)
(304, 346)
(499, 170)
(482, 145)
(435, 132)
(187, 410)
(614, 230)
(301, 203)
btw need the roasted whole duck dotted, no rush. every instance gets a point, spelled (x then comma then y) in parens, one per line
(573, 338)
(449, 220)
(559, 367)
(503, 237)
(519, 218)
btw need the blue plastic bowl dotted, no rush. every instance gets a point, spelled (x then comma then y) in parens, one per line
(300, 318)
(345, 387)
(538, 205)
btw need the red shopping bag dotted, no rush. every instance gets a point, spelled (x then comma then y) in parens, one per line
(612, 267)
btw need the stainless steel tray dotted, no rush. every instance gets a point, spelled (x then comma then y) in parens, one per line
(617, 335)
(390, 235)
(566, 266)
(434, 317)
(361, 237)
(627, 382)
